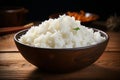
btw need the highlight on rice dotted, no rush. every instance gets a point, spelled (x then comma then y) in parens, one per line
(61, 32)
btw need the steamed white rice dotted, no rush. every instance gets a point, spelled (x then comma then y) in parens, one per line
(62, 32)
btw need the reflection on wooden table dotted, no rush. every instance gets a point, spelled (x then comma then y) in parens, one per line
(14, 67)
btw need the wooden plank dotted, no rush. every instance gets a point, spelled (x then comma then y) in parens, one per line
(14, 61)
(14, 67)
(7, 43)
(114, 41)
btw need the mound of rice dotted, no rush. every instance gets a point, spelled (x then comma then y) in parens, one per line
(62, 32)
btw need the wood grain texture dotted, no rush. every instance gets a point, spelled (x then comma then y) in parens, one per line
(114, 42)
(7, 43)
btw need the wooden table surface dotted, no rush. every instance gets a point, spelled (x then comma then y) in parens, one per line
(14, 67)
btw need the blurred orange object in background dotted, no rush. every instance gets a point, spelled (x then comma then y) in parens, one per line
(83, 16)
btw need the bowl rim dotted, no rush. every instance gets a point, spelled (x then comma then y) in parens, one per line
(76, 48)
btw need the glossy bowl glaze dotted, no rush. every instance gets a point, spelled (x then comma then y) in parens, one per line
(63, 59)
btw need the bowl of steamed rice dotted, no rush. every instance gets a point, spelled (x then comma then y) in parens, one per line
(61, 44)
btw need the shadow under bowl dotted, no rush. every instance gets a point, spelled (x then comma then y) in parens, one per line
(55, 60)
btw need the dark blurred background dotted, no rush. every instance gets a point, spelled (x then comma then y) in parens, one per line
(40, 10)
